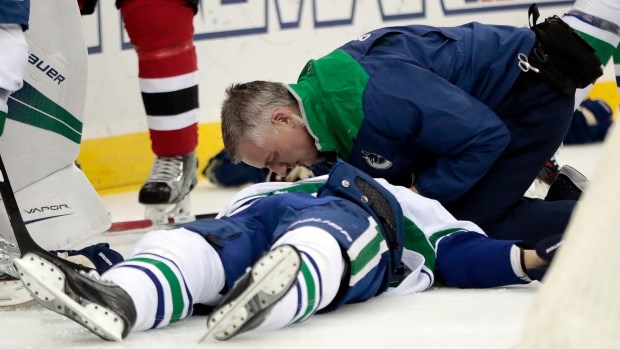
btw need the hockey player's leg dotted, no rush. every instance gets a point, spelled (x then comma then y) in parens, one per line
(472, 260)
(598, 22)
(168, 272)
(162, 34)
(298, 277)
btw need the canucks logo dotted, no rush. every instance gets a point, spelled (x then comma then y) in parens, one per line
(376, 161)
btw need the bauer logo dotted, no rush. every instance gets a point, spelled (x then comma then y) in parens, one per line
(46, 68)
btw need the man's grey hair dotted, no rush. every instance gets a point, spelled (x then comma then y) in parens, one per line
(246, 113)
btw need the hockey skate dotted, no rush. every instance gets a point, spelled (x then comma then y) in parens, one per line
(13, 294)
(166, 192)
(568, 185)
(99, 305)
(8, 252)
(249, 302)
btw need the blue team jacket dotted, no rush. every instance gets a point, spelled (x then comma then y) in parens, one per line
(416, 103)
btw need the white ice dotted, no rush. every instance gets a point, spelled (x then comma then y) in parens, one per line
(440, 318)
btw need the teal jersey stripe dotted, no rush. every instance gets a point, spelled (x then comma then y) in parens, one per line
(415, 240)
(368, 253)
(310, 289)
(173, 281)
(31, 107)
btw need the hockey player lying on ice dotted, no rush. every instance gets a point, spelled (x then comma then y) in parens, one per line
(356, 239)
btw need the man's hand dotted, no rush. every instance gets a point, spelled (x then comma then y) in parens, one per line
(296, 174)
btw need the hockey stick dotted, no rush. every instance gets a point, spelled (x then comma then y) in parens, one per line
(24, 240)
(154, 223)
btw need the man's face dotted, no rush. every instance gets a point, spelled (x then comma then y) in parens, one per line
(292, 145)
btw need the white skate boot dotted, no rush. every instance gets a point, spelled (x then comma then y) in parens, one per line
(165, 192)
(249, 302)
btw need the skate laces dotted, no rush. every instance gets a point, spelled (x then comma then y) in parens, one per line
(166, 169)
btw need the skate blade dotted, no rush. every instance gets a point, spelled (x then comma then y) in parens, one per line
(161, 212)
(273, 274)
(46, 283)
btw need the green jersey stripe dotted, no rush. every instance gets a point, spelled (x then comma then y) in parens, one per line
(310, 290)
(415, 240)
(176, 291)
(368, 256)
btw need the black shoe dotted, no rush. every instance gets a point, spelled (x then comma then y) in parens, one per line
(568, 185)
(249, 302)
(99, 305)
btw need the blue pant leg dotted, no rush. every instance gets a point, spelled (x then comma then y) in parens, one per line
(472, 260)
(238, 242)
(535, 219)
(538, 119)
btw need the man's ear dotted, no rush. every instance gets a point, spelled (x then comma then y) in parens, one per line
(281, 116)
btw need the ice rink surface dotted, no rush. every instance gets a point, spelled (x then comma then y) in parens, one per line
(439, 318)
